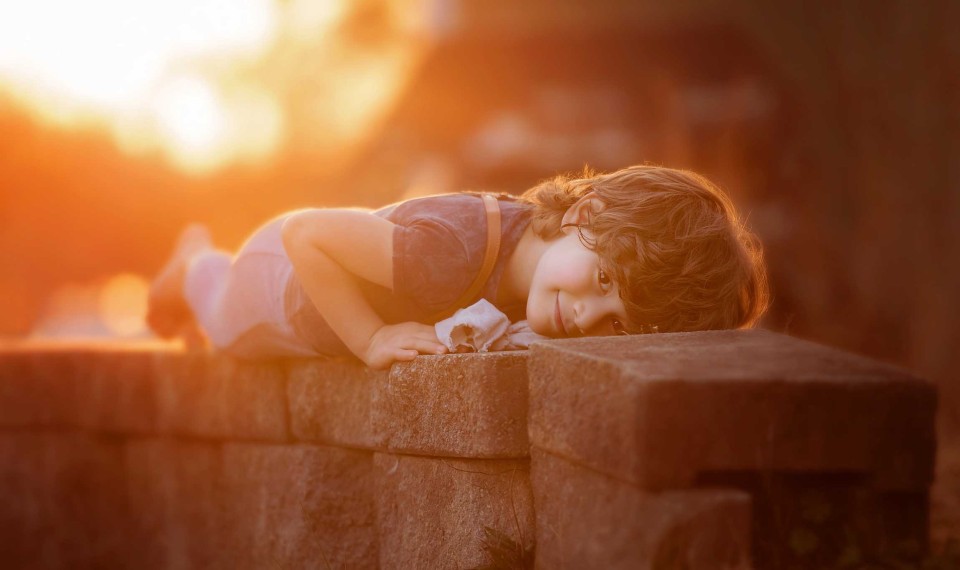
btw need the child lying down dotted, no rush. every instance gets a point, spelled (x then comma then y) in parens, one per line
(639, 250)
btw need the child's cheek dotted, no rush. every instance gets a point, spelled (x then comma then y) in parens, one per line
(566, 276)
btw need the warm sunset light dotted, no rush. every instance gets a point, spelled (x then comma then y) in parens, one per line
(112, 52)
(123, 304)
(206, 83)
(123, 62)
(190, 118)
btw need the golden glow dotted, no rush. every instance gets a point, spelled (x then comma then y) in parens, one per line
(205, 83)
(122, 62)
(111, 52)
(367, 90)
(256, 125)
(123, 304)
(190, 118)
(308, 19)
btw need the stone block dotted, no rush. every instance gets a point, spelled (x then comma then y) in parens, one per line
(330, 402)
(816, 520)
(587, 519)
(39, 388)
(461, 405)
(142, 388)
(659, 410)
(116, 391)
(298, 506)
(175, 492)
(61, 501)
(215, 396)
(453, 513)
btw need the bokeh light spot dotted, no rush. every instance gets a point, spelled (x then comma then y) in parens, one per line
(256, 123)
(123, 304)
(191, 118)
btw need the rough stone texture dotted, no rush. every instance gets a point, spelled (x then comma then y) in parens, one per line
(116, 392)
(463, 405)
(658, 410)
(445, 513)
(586, 519)
(299, 506)
(139, 389)
(113, 457)
(174, 490)
(214, 396)
(40, 388)
(814, 520)
(330, 402)
(61, 501)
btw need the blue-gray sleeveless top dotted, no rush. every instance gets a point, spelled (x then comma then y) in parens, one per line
(438, 246)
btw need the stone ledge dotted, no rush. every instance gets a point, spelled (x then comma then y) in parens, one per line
(299, 506)
(461, 405)
(465, 405)
(440, 512)
(330, 402)
(141, 389)
(586, 519)
(193, 460)
(471, 405)
(62, 501)
(213, 396)
(671, 406)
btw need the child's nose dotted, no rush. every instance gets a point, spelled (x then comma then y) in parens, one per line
(593, 315)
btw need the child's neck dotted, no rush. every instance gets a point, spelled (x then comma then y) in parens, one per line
(518, 274)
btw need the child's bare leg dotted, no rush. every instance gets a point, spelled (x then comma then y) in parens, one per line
(167, 311)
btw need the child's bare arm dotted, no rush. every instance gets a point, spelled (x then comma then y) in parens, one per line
(328, 249)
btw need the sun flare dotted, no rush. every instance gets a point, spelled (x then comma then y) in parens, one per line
(190, 117)
(123, 62)
(205, 83)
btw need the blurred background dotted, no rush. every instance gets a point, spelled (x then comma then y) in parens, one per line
(834, 125)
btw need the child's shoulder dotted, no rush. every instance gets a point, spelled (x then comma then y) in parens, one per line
(460, 206)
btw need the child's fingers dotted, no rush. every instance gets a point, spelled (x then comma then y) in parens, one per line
(423, 332)
(405, 355)
(426, 346)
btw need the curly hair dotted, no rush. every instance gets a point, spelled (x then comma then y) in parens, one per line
(672, 240)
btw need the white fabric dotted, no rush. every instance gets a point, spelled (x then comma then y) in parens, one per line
(481, 327)
(519, 337)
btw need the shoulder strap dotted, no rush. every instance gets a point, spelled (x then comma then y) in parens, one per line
(492, 208)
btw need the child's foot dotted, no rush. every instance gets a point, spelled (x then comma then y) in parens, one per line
(167, 310)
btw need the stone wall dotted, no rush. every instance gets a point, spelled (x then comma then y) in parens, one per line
(594, 453)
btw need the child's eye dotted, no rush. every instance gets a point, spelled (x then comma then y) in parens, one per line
(605, 281)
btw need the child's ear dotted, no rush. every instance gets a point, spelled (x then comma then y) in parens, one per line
(582, 210)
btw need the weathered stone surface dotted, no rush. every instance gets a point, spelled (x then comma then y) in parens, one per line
(658, 410)
(461, 405)
(61, 501)
(175, 493)
(587, 519)
(39, 388)
(814, 520)
(215, 396)
(330, 402)
(452, 513)
(298, 506)
(116, 391)
(141, 388)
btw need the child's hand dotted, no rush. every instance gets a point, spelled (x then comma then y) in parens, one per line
(399, 342)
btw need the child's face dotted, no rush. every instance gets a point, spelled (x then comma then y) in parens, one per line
(570, 295)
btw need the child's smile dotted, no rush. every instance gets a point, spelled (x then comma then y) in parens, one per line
(570, 295)
(559, 318)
